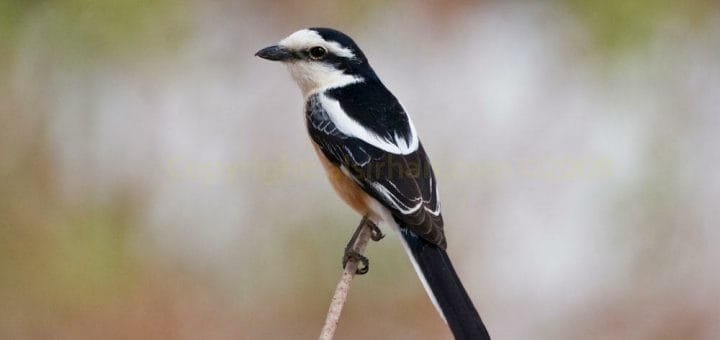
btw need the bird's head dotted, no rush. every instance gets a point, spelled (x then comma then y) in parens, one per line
(320, 58)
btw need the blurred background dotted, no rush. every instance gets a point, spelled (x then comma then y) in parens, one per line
(156, 180)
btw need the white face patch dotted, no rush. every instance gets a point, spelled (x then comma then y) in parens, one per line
(315, 76)
(305, 39)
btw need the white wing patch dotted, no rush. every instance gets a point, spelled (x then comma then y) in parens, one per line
(433, 192)
(350, 127)
(395, 202)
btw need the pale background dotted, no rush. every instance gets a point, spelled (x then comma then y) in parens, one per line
(156, 180)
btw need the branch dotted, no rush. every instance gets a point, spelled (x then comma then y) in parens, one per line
(341, 291)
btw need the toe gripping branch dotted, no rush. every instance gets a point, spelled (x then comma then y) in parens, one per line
(349, 254)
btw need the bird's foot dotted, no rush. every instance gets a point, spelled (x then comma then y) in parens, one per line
(362, 261)
(377, 234)
(359, 259)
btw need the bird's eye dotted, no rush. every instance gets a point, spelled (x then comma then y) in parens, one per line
(317, 52)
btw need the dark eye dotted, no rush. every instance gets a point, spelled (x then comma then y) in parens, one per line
(317, 52)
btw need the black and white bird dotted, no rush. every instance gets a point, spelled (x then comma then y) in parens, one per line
(373, 157)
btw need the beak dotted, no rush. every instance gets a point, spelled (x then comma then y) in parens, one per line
(275, 53)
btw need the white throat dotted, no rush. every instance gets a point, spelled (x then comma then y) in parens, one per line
(314, 77)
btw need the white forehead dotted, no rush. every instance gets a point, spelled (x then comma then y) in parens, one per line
(306, 38)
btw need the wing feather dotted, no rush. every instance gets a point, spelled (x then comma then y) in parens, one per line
(404, 183)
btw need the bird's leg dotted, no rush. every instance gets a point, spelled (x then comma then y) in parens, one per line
(376, 235)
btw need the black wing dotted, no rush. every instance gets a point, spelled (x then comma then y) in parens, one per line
(405, 184)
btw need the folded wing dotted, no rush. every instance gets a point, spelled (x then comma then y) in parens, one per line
(404, 183)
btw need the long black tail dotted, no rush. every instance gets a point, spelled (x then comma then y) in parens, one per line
(433, 263)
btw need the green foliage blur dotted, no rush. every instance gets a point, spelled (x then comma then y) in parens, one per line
(82, 29)
(619, 25)
(76, 264)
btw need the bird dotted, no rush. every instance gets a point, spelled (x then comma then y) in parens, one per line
(370, 151)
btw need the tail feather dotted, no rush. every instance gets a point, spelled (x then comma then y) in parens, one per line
(444, 287)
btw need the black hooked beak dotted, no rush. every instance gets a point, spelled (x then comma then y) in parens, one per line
(275, 53)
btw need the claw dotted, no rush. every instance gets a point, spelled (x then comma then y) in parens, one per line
(376, 233)
(350, 254)
(363, 263)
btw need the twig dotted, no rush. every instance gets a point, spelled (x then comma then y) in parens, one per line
(341, 291)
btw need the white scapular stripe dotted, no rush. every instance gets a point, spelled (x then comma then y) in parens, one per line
(350, 127)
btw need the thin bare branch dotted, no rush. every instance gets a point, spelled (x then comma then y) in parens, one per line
(341, 291)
